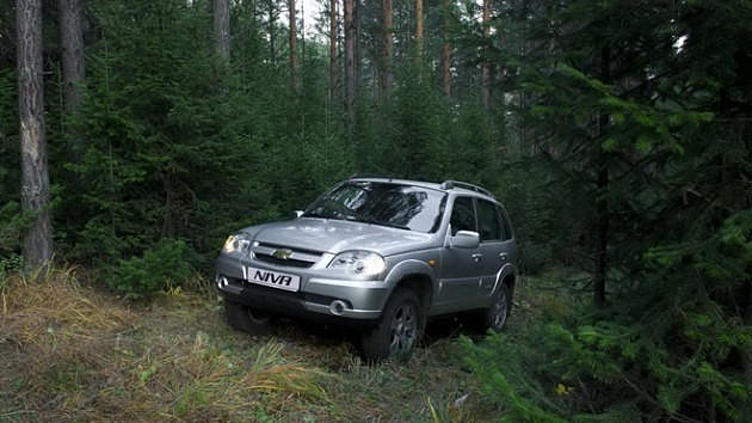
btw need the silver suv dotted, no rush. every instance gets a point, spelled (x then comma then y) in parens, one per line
(382, 254)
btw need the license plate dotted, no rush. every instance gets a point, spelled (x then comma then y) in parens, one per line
(271, 279)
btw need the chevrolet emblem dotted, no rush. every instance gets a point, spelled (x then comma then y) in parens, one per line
(283, 254)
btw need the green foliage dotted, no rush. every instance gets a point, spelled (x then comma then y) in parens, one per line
(8, 266)
(613, 91)
(666, 348)
(11, 224)
(164, 266)
(600, 371)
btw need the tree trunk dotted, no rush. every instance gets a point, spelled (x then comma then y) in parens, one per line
(357, 19)
(446, 53)
(601, 200)
(350, 65)
(419, 27)
(293, 46)
(35, 193)
(746, 353)
(72, 40)
(485, 66)
(386, 54)
(222, 27)
(270, 28)
(333, 32)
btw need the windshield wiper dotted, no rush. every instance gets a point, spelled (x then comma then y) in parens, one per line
(312, 214)
(331, 217)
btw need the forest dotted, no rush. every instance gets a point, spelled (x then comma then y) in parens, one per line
(135, 135)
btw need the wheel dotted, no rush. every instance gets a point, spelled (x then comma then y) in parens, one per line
(495, 317)
(243, 318)
(398, 331)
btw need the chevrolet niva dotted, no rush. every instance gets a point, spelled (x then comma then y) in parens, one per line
(380, 254)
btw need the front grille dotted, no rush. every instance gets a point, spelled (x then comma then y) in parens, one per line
(268, 258)
(297, 257)
(295, 249)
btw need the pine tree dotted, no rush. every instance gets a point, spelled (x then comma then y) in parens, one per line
(222, 27)
(446, 51)
(293, 45)
(333, 49)
(351, 65)
(35, 191)
(387, 74)
(72, 40)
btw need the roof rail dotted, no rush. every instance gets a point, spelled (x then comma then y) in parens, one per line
(472, 187)
(369, 175)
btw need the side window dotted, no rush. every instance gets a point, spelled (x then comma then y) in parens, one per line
(463, 215)
(507, 228)
(490, 227)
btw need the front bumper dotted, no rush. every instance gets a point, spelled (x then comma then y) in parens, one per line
(318, 295)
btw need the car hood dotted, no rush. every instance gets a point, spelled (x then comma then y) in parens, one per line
(336, 236)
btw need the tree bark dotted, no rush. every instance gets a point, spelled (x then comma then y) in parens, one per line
(272, 19)
(419, 27)
(485, 66)
(35, 193)
(293, 46)
(357, 19)
(746, 407)
(222, 27)
(350, 65)
(446, 53)
(601, 200)
(72, 40)
(386, 54)
(333, 32)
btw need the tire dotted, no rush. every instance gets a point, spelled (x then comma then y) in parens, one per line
(245, 319)
(496, 316)
(398, 331)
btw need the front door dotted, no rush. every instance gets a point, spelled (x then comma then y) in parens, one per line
(461, 268)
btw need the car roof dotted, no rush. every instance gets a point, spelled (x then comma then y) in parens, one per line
(447, 186)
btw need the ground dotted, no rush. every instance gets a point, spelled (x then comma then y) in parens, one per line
(69, 352)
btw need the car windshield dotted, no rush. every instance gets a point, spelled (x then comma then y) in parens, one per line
(386, 204)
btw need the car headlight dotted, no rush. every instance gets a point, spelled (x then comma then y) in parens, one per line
(363, 263)
(237, 243)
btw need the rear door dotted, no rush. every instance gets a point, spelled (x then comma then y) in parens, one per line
(495, 245)
(461, 269)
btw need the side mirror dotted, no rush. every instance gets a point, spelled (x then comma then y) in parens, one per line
(465, 239)
(297, 213)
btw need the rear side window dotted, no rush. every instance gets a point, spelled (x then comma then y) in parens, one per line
(507, 228)
(490, 224)
(463, 215)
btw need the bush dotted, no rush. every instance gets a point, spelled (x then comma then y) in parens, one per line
(660, 352)
(163, 266)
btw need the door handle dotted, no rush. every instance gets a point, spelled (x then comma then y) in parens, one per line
(477, 257)
(503, 256)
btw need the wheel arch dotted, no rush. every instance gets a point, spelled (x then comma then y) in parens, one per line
(507, 276)
(415, 275)
(421, 284)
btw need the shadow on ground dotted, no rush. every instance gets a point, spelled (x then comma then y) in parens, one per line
(289, 330)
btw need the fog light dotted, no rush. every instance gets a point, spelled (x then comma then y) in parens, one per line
(222, 282)
(337, 307)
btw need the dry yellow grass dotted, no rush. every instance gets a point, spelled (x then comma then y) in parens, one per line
(79, 355)
(71, 353)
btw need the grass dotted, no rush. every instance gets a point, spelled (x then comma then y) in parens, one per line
(71, 353)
